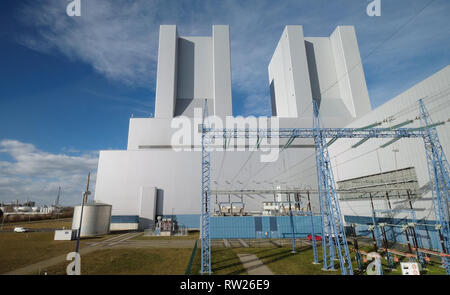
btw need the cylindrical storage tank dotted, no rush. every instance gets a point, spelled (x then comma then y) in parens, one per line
(96, 219)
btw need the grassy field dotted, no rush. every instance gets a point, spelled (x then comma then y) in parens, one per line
(41, 224)
(282, 262)
(224, 261)
(130, 262)
(190, 236)
(22, 249)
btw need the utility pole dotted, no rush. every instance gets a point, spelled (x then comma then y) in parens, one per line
(294, 250)
(84, 201)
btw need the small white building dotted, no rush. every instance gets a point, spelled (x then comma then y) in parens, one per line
(65, 234)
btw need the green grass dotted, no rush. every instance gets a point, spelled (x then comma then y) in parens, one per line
(224, 261)
(21, 249)
(281, 261)
(41, 224)
(130, 262)
(190, 236)
(431, 268)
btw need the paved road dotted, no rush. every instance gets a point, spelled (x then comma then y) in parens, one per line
(40, 266)
(34, 268)
(253, 265)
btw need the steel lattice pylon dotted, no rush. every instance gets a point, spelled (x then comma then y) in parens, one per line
(334, 239)
(438, 170)
(333, 224)
(206, 178)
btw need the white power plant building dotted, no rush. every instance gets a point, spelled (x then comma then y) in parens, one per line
(397, 167)
(159, 175)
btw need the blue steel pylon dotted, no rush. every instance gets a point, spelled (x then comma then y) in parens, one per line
(438, 170)
(333, 225)
(206, 177)
(313, 234)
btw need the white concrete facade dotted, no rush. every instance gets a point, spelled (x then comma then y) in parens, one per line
(369, 158)
(191, 69)
(327, 69)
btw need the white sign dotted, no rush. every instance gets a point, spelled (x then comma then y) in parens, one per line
(410, 268)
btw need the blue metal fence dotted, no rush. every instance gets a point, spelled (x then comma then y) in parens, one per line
(125, 219)
(425, 230)
(252, 227)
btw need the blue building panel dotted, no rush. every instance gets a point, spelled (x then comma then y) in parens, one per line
(125, 219)
(251, 227)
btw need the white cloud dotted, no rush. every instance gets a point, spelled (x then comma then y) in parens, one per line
(34, 174)
(120, 38)
(112, 36)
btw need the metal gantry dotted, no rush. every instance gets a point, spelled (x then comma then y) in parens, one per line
(438, 170)
(206, 179)
(333, 224)
(333, 238)
(409, 227)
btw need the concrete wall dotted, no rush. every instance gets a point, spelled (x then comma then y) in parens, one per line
(288, 73)
(327, 69)
(166, 82)
(369, 159)
(349, 71)
(192, 69)
(150, 161)
(122, 174)
(222, 71)
(195, 68)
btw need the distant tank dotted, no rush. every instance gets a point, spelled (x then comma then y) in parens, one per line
(24, 209)
(96, 219)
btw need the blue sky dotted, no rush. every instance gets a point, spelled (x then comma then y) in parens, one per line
(70, 84)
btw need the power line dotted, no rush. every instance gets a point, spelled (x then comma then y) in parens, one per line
(414, 106)
(439, 107)
(435, 97)
(359, 63)
(377, 47)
